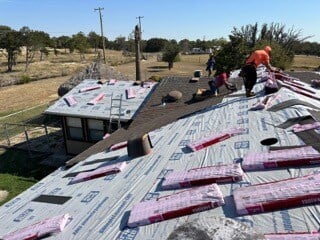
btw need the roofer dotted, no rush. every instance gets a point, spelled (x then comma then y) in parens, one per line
(210, 64)
(249, 72)
(219, 80)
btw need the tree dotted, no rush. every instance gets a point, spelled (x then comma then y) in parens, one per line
(11, 41)
(33, 41)
(94, 40)
(120, 43)
(232, 55)
(171, 53)
(63, 42)
(43, 51)
(155, 45)
(248, 38)
(81, 44)
(185, 45)
(307, 48)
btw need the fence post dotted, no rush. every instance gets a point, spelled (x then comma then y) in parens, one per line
(7, 133)
(47, 136)
(27, 138)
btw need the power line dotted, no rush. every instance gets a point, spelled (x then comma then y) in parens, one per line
(139, 17)
(103, 45)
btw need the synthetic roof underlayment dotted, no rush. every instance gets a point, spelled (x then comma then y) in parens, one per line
(100, 207)
(92, 99)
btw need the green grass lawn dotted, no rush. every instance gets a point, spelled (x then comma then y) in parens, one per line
(19, 171)
(14, 185)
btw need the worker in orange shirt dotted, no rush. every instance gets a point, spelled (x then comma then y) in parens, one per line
(249, 72)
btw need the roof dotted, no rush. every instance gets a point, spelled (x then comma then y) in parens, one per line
(154, 114)
(100, 207)
(92, 99)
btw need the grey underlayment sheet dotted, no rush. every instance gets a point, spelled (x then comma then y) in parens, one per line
(101, 110)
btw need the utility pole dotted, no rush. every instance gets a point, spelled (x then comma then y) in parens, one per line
(139, 17)
(140, 33)
(137, 32)
(101, 27)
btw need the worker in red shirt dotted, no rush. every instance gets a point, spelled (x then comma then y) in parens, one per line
(249, 72)
(218, 81)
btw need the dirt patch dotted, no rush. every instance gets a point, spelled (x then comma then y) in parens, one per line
(3, 195)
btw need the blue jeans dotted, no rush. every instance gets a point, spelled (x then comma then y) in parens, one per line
(213, 87)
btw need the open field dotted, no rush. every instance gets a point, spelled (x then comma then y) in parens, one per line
(18, 97)
(152, 67)
(303, 62)
(53, 66)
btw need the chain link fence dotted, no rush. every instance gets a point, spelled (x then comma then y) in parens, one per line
(22, 130)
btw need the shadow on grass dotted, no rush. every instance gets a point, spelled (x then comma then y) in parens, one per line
(20, 163)
(157, 68)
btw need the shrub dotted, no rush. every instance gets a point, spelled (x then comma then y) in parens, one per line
(155, 78)
(25, 79)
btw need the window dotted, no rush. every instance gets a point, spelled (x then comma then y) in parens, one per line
(74, 128)
(95, 130)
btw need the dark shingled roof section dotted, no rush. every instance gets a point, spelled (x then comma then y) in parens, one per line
(304, 76)
(154, 115)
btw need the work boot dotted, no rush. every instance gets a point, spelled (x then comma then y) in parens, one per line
(250, 94)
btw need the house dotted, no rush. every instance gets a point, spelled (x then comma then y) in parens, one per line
(94, 108)
(102, 208)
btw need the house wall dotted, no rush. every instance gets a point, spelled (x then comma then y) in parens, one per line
(75, 146)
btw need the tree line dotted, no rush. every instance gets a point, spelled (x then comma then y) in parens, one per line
(230, 54)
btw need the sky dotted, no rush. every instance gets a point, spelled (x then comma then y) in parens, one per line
(168, 19)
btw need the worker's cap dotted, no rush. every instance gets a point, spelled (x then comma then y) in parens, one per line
(267, 49)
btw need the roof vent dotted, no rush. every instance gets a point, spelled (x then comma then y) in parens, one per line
(140, 146)
(174, 96)
(269, 141)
